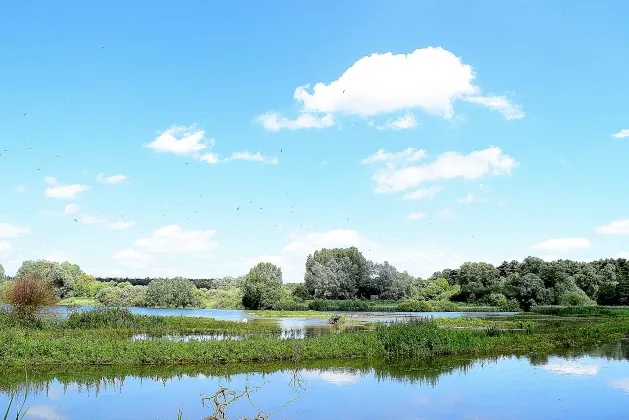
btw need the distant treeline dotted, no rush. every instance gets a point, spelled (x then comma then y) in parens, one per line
(199, 283)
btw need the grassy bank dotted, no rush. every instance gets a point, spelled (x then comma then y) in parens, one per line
(581, 310)
(104, 339)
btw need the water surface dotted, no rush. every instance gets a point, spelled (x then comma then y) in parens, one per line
(586, 386)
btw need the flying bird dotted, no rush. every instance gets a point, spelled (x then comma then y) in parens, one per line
(237, 208)
(25, 114)
(76, 220)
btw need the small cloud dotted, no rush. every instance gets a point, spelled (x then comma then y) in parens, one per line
(92, 220)
(51, 180)
(11, 231)
(622, 133)
(572, 368)
(63, 191)
(19, 189)
(563, 244)
(501, 104)
(43, 412)
(483, 188)
(70, 209)
(402, 123)
(5, 247)
(324, 163)
(257, 157)
(624, 255)
(469, 198)
(416, 216)
(408, 155)
(210, 158)
(274, 121)
(617, 227)
(428, 192)
(273, 259)
(114, 179)
(620, 384)
(446, 213)
(120, 225)
(181, 140)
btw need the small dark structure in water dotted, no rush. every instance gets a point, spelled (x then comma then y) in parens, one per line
(335, 319)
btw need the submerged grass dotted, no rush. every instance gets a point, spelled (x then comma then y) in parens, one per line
(581, 310)
(102, 337)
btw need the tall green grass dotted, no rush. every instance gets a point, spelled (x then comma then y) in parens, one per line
(620, 311)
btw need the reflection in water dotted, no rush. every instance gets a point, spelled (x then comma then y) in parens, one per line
(530, 386)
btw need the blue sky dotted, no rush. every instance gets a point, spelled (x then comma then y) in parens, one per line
(196, 139)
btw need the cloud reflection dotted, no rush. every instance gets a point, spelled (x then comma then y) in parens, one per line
(43, 412)
(620, 384)
(333, 377)
(572, 368)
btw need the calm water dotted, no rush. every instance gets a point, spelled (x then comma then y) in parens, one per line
(289, 323)
(586, 386)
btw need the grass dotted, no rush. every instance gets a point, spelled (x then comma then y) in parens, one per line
(616, 311)
(102, 337)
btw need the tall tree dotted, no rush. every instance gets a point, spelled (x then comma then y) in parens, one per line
(261, 286)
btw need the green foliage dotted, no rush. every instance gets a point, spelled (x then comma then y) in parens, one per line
(1, 273)
(585, 311)
(261, 287)
(300, 292)
(607, 294)
(437, 289)
(339, 273)
(87, 286)
(575, 298)
(402, 286)
(528, 290)
(29, 293)
(110, 318)
(414, 306)
(170, 293)
(61, 276)
(123, 296)
(224, 298)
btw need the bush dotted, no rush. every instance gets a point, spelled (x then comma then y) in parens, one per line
(60, 276)
(414, 306)
(224, 298)
(575, 298)
(123, 296)
(171, 293)
(29, 293)
(444, 306)
(109, 317)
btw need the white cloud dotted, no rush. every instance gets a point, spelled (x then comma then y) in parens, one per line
(622, 133)
(70, 209)
(257, 157)
(5, 246)
(343, 238)
(447, 213)
(92, 220)
(431, 79)
(407, 155)
(133, 258)
(274, 121)
(114, 179)
(332, 377)
(563, 244)
(428, 192)
(449, 165)
(173, 240)
(120, 225)
(51, 180)
(416, 216)
(404, 122)
(65, 191)
(572, 368)
(19, 189)
(624, 255)
(181, 140)
(469, 198)
(11, 231)
(620, 384)
(617, 227)
(500, 104)
(43, 412)
(210, 158)
(273, 259)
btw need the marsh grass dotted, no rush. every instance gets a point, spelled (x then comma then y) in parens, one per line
(582, 310)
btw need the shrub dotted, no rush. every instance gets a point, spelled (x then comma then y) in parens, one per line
(29, 293)
(575, 298)
(171, 293)
(109, 317)
(58, 275)
(123, 296)
(414, 306)
(224, 298)
(317, 305)
(444, 306)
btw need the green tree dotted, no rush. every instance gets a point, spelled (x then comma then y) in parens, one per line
(60, 278)
(528, 290)
(356, 277)
(402, 286)
(478, 280)
(170, 293)
(299, 292)
(261, 286)
(1, 272)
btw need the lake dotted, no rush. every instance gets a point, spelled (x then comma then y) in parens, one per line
(588, 385)
(292, 323)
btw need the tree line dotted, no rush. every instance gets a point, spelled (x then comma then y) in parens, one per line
(343, 274)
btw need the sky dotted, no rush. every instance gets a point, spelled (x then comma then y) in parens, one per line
(198, 138)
